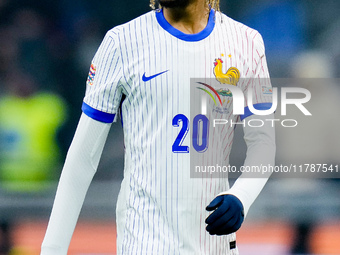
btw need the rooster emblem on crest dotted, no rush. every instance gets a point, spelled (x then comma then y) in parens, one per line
(231, 77)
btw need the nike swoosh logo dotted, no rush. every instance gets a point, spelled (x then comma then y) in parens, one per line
(148, 78)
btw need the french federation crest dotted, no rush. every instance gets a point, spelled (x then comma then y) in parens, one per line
(232, 76)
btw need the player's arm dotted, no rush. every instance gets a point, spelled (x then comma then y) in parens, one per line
(100, 105)
(79, 168)
(230, 207)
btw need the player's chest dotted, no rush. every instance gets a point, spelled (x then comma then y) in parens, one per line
(177, 64)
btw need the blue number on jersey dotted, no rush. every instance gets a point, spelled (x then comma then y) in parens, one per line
(199, 120)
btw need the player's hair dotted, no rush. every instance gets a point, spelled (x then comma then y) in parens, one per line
(213, 4)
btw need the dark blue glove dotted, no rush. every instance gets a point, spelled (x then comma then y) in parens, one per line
(227, 217)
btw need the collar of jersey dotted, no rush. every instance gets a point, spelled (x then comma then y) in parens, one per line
(187, 37)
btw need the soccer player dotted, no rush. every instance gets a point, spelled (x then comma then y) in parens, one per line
(143, 70)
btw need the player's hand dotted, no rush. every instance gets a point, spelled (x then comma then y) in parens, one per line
(227, 217)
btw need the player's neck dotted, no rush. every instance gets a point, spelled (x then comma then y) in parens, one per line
(189, 20)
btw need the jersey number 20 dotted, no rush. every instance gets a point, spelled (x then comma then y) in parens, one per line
(200, 133)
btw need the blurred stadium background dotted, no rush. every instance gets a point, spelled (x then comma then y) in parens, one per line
(45, 52)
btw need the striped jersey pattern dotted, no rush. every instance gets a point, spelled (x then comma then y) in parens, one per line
(148, 63)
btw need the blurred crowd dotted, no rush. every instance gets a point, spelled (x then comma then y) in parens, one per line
(46, 48)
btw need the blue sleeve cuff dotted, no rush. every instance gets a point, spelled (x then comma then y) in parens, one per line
(261, 106)
(97, 115)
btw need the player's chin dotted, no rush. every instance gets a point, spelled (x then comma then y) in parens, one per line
(174, 3)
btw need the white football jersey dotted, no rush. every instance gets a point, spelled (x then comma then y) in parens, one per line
(144, 68)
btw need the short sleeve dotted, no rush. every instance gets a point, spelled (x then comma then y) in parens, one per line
(103, 85)
(259, 82)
